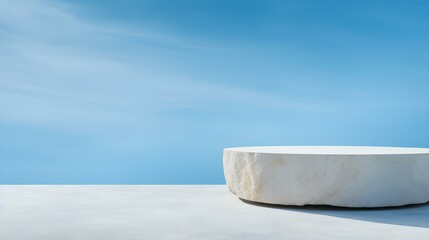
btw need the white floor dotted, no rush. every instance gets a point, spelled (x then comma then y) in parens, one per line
(188, 212)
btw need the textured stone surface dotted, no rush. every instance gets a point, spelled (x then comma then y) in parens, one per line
(338, 176)
(188, 212)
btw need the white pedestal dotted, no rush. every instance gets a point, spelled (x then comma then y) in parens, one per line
(322, 175)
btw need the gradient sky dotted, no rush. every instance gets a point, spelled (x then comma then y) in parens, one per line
(146, 92)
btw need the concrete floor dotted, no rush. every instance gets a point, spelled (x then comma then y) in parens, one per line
(188, 212)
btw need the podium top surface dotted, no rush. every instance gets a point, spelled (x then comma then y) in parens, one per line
(330, 150)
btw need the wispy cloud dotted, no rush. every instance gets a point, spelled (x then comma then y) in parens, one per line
(57, 66)
(53, 70)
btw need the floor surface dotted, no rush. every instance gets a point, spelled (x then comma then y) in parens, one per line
(188, 212)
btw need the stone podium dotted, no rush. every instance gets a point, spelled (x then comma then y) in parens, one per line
(328, 175)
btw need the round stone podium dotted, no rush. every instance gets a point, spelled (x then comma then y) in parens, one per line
(329, 175)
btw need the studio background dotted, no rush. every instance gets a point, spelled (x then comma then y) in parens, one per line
(150, 92)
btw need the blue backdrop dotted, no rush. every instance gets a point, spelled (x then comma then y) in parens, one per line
(152, 91)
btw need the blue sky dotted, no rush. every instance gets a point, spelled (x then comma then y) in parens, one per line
(150, 92)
